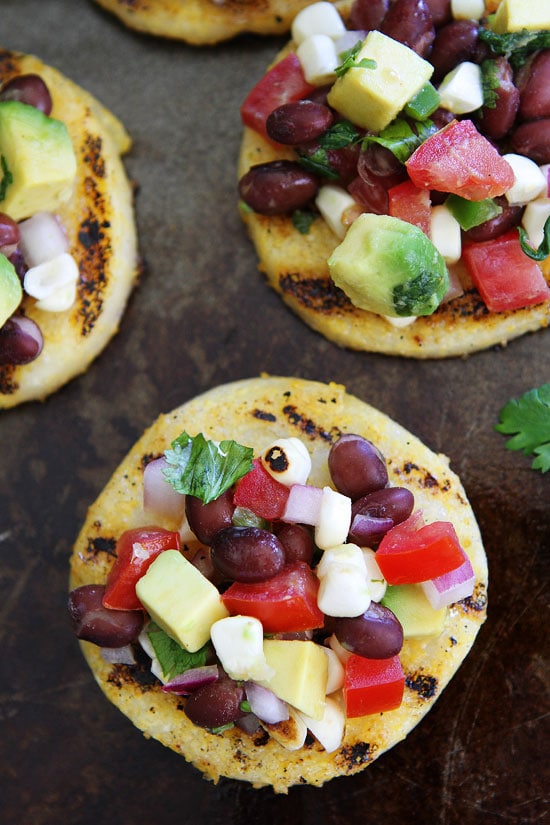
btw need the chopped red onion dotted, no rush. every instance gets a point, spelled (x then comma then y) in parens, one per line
(42, 238)
(265, 705)
(119, 655)
(303, 504)
(450, 587)
(159, 496)
(455, 289)
(185, 683)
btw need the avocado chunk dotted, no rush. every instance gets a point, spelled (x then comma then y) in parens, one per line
(37, 161)
(180, 599)
(515, 15)
(11, 291)
(412, 608)
(390, 267)
(372, 96)
(300, 674)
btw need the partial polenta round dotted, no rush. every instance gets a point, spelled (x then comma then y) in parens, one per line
(100, 226)
(255, 412)
(206, 22)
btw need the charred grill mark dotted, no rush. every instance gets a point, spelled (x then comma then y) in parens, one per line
(261, 738)
(423, 684)
(7, 384)
(307, 426)
(147, 458)
(358, 754)
(318, 294)
(426, 479)
(477, 602)
(263, 415)
(101, 545)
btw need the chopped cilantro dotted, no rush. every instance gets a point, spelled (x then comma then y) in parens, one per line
(7, 178)
(417, 296)
(515, 46)
(544, 247)
(490, 82)
(527, 419)
(205, 469)
(338, 136)
(173, 658)
(302, 220)
(402, 138)
(349, 60)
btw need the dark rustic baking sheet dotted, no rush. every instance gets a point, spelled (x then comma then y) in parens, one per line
(202, 316)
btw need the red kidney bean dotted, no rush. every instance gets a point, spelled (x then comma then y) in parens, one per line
(410, 22)
(367, 14)
(30, 89)
(205, 520)
(104, 627)
(278, 187)
(533, 140)
(247, 554)
(440, 11)
(508, 218)
(344, 162)
(379, 161)
(496, 121)
(454, 43)
(376, 634)
(533, 81)
(391, 504)
(356, 466)
(298, 122)
(21, 341)
(9, 230)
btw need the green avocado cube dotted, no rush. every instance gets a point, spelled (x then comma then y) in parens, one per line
(11, 291)
(515, 15)
(372, 97)
(300, 674)
(37, 161)
(418, 618)
(180, 599)
(390, 267)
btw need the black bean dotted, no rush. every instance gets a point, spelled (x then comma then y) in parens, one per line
(296, 540)
(454, 43)
(532, 139)
(205, 520)
(378, 512)
(298, 122)
(356, 466)
(508, 218)
(376, 634)
(21, 340)
(410, 22)
(367, 14)
(278, 187)
(496, 120)
(534, 84)
(247, 554)
(104, 627)
(216, 704)
(29, 89)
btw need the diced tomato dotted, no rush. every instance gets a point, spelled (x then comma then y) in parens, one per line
(504, 275)
(283, 83)
(136, 549)
(407, 555)
(285, 603)
(412, 204)
(261, 493)
(460, 160)
(372, 685)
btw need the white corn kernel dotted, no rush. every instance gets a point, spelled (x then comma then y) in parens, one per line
(343, 591)
(333, 203)
(319, 18)
(41, 280)
(445, 233)
(534, 217)
(334, 519)
(346, 555)
(335, 678)
(238, 641)
(401, 321)
(329, 731)
(288, 461)
(467, 9)
(461, 91)
(319, 60)
(529, 181)
(60, 300)
(377, 582)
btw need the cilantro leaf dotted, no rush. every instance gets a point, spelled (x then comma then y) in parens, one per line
(205, 469)
(401, 138)
(515, 46)
(490, 82)
(349, 60)
(173, 658)
(544, 248)
(338, 136)
(527, 419)
(7, 178)
(302, 220)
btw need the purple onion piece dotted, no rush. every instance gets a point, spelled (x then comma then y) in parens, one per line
(185, 683)
(366, 530)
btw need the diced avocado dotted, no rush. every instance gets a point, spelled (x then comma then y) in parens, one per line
(372, 97)
(37, 161)
(180, 599)
(515, 15)
(412, 608)
(300, 674)
(423, 103)
(390, 267)
(11, 291)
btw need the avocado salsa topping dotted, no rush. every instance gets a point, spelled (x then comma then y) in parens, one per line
(275, 600)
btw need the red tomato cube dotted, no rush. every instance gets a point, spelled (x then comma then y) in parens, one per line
(285, 603)
(261, 493)
(372, 685)
(408, 555)
(135, 550)
(412, 204)
(460, 160)
(505, 277)
(283, 83)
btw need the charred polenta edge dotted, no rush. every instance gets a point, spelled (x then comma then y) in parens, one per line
(239, 753)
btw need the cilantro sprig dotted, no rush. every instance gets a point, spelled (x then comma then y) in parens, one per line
(173, 658)
(527, 419)
(515, 46)
(341, 134)
(402, 137)
(544, 247)
(205, 469)
(7, 178)
(349, 61)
